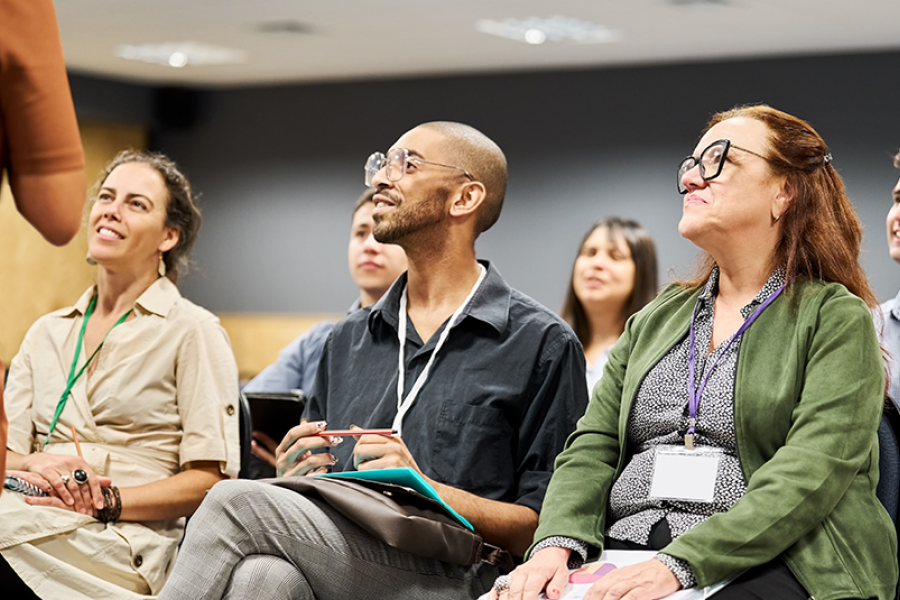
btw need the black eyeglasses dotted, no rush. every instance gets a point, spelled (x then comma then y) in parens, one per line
(396, 162)
(711, 160)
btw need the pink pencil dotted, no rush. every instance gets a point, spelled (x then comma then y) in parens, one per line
(358, 432)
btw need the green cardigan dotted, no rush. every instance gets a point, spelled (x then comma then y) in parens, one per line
(807, 403)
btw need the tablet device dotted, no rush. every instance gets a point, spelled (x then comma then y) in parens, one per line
(274, 413)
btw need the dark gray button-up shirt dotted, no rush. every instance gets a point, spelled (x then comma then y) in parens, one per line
(502, 395)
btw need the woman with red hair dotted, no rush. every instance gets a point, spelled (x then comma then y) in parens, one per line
(734, 428)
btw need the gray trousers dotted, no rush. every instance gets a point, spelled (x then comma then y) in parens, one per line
(252, 540)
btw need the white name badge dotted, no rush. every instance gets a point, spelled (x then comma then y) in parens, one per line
(682, 474)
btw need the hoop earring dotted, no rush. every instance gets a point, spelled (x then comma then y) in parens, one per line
(161, 269)
(90, 261)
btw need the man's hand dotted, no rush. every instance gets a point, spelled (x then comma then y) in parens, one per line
(503, 524)
(648, 580)
(294, 456)
(381, 452)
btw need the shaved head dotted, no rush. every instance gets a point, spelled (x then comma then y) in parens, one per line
(482, 158)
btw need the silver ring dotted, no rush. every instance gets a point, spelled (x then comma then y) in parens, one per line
(80, 476)
(64, 479)
(501, 584)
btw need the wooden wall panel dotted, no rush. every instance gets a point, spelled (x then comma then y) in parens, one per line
(257, 338)
(35, 277)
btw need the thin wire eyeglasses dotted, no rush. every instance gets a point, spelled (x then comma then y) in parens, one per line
(397, 162)
(711, 161)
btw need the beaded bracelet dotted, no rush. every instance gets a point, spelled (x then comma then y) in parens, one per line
(110, 512)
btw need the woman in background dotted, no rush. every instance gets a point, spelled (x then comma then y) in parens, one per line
(614, 276)
(150, 394)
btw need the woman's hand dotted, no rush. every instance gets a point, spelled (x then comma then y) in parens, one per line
(648, 580)
(35, 480)
(294, 456)
(53, 499)
(546, 569)
(264, 448)
(84, 498)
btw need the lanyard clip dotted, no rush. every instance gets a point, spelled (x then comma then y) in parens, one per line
(689, 436)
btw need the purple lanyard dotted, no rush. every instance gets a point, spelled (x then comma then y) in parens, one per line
(694, 396)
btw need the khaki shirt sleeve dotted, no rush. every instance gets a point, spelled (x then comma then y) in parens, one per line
(19, 398)
(207, 392)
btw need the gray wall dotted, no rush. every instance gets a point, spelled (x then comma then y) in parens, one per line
(281, 167)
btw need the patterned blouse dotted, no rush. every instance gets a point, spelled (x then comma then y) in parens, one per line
(659, 416)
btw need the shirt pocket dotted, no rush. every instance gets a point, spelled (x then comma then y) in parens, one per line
(472, 448)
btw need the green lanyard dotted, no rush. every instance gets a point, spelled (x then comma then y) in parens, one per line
(73, 375)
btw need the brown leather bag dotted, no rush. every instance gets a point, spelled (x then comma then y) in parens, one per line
(401, 518)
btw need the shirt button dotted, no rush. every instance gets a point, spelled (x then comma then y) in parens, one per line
(230, 409)
(138, 560)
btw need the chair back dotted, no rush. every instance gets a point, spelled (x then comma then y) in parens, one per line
(888, 490)
(272, 413)
(246, 431)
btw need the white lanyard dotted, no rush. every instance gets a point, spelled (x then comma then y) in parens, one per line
(403, 405)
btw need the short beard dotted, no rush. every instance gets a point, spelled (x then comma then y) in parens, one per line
(397, 225)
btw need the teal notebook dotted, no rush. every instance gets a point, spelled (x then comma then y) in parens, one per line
(406, 477)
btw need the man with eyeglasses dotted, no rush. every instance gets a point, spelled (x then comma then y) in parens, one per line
(482, 383)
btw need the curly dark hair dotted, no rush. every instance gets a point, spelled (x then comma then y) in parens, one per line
(182, 212)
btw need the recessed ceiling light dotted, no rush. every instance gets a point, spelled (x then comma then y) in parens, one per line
(178, 59)
(535, 36)
(182, 54)
(537, 30)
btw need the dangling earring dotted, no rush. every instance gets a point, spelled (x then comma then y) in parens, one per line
(91, 261)
(161, 269)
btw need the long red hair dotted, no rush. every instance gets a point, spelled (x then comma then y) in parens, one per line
(820, 231)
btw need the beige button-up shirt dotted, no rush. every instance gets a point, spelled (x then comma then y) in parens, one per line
(163, 394)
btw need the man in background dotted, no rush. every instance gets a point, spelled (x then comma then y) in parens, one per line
(373, 267)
